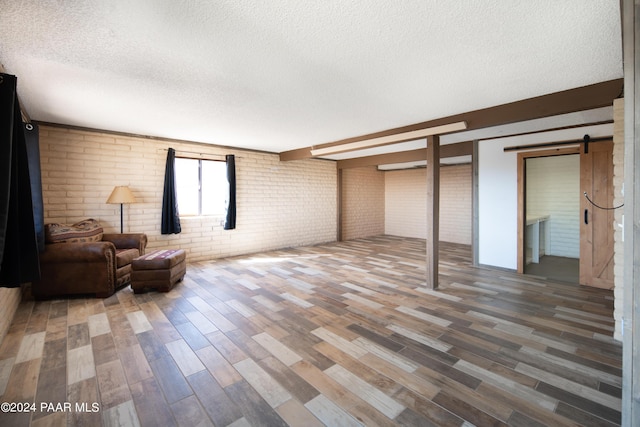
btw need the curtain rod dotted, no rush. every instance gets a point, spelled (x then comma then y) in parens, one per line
(221, 157)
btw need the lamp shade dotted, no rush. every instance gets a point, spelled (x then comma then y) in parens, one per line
(121, 194)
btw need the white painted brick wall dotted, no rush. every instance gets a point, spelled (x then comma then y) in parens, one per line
(279, 204)
(455, 204)
(618, 199)
(406, 203)
(553, 188)
(362, 202)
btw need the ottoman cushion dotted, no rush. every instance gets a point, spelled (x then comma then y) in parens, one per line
(160, 270)
(159, 260)
(166, 274)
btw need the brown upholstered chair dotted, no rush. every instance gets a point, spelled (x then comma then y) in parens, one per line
(96, 265)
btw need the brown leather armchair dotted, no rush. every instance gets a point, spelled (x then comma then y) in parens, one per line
(89, 267)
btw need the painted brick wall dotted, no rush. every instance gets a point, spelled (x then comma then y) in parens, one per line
(362, 202)
(455, 204)
(406, 203)
(618, 199)
(553, 188)
(279, 204)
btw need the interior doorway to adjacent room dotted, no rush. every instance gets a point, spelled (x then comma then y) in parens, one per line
(564, 234)
(552, 228)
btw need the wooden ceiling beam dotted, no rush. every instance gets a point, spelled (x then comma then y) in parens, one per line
(457, 149)
(384, 159)
(449, 150)
(568, 101)
(299, 154)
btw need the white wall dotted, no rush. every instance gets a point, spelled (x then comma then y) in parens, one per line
(406, 203)
(553, 188)
(362, 202)
(497, 204)
(456, 208)
(497, 192)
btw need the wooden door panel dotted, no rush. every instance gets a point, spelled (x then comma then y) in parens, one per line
(596, 229)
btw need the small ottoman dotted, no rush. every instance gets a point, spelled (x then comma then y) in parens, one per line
(159, 270)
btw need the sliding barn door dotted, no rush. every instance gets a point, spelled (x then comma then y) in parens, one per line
(596, 229)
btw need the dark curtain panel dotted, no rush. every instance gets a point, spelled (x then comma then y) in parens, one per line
(230, 221)
(170, 217)
(32, 140)
(20, 262)
(7, 99)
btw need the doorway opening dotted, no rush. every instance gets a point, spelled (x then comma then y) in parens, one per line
(552, 227)
(548, 213)
(557, 226)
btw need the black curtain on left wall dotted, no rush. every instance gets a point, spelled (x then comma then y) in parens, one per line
(19, 261)
(170, 221)
(32, 141)
(230, 220)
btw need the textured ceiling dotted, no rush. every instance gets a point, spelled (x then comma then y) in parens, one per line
(285, 74)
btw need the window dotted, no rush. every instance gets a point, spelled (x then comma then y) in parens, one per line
(202, 187)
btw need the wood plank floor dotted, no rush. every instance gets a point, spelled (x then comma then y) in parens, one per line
(341, 334)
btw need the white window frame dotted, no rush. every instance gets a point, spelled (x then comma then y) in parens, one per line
(199, 212)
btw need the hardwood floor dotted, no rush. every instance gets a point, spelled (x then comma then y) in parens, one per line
(335, 334)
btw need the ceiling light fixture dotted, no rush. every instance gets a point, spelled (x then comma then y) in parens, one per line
(389, 139)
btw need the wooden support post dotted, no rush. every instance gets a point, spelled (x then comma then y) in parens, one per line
(339, 203)
(433, 209)
(475, 223)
